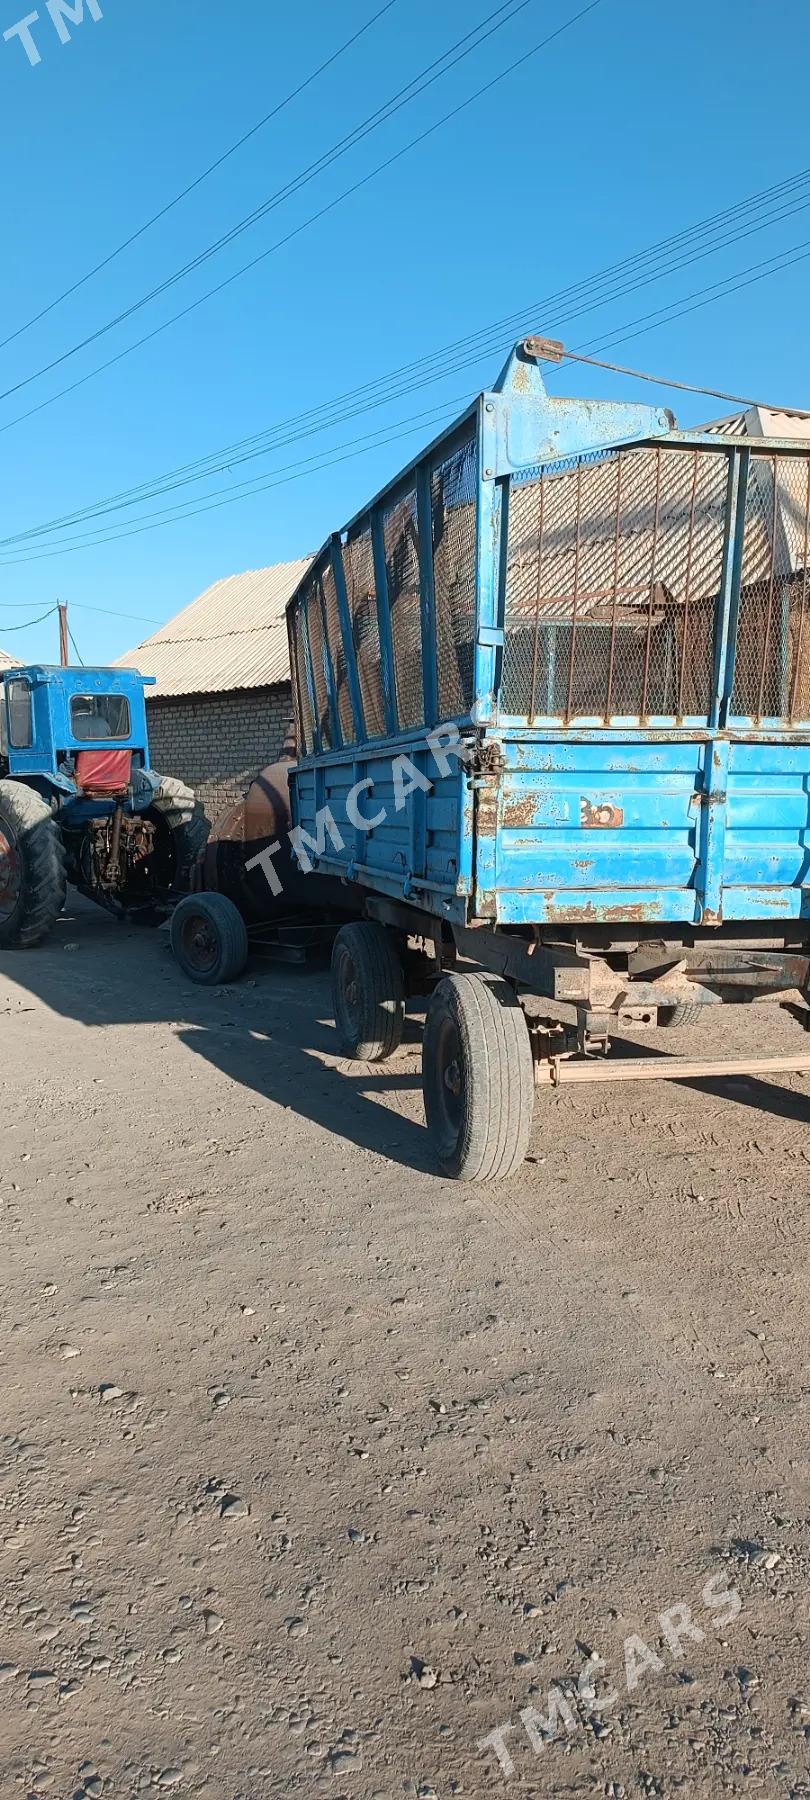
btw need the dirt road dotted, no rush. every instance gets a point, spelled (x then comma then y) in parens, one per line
(317, 1470)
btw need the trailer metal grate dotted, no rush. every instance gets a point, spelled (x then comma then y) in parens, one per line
(358, 564)
(614, 569)
(334, 638)
(317, 646)
(772, 667)
(401, 541)
(453, 512)
(305, 723)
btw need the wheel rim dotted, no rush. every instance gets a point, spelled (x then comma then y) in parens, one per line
(199, 943)
(448, 1083)
(10, 872)
(348, 995)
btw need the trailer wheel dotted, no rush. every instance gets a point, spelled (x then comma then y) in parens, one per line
(681, 1015)
(477, 1078)
(209, 938)
(32, 866)
(368, 991)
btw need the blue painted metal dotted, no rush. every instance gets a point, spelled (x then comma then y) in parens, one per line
(627, 819)
(530, 427)
(51, 691)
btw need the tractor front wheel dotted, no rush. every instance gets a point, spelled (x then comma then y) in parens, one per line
(32, 866)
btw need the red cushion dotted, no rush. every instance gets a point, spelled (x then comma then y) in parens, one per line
(104, 771)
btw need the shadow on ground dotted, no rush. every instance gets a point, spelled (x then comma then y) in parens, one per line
(272, 1031)
(269, 1032)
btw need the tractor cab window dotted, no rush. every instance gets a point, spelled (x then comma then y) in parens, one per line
(18, 701)
(97, 716)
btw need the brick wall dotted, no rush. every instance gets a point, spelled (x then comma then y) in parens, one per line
(218, 742)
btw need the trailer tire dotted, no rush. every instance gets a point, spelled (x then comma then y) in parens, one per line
(209, 939)
(33, 887)
(681, 1015)
(477, 1078)
(368, 990)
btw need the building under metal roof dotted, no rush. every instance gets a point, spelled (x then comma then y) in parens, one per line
(8, 662)
(762, 421)
(233, 636)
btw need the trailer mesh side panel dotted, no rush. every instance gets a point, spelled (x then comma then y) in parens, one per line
(358, 563)
(772, 668)
(453, 510)
(334, 638)
(306, 736)
(614, 570)
(401, 540)
(317, 646)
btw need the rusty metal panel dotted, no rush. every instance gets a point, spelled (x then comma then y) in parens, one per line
(600, 830)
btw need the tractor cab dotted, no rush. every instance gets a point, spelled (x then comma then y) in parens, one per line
(79, 803)
(74, 732)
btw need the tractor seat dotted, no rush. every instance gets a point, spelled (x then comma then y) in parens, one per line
(103, 771)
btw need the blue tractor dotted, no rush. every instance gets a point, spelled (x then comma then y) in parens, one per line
(79, 803)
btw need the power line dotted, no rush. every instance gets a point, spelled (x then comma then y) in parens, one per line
(590, 293)
(79, 606)
(199, 179)
(705, 297)
(677, 309)
(663, 258)
(30, 622)
(299, 471)
(75, 646)
(280, 243)
(510, 9)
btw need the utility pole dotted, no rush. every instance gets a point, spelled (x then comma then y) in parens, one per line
(64, 652)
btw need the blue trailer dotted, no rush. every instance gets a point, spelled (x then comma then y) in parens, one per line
(553, 699)
(80, 804)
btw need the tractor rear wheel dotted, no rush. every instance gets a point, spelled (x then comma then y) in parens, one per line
(182, 833)
(32, 866)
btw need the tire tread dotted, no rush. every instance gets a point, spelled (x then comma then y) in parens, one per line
(382, 990)
(43, 859)
(497, 1076)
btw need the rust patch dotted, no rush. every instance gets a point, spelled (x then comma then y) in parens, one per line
(604, 817)
(641, 913)
(520, 812)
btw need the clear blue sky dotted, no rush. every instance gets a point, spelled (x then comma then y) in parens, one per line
(637, 122)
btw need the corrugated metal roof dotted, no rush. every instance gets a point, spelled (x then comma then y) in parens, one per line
(233, 636)
(8, 662)
(762, 421)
